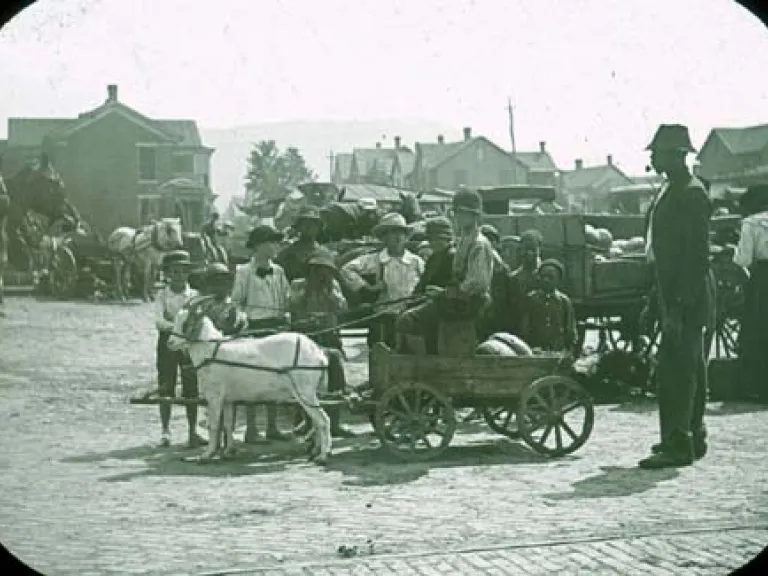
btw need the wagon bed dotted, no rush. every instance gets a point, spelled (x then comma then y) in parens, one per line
(412, 401)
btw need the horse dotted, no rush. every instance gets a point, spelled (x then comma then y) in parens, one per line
(39, 191)
(145, 247)
(350, 221)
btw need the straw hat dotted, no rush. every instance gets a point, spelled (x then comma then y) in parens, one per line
(389, 222)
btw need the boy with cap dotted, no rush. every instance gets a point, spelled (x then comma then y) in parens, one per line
(438, 269)
(293, 258)
(523, 279)
(168, 303)
(397, 271)
(316, 302)
(468, 292)
(549, 322)
(261, 295)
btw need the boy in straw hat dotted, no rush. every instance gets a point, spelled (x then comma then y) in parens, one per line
(316, 302)
(678, 250)
(168, 303)
(468, 292)
(396, 269)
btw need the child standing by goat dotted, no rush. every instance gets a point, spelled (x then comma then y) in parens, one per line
(315, 303)
(168, 304)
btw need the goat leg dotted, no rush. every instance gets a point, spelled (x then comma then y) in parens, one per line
(228, 421)
(214, 425)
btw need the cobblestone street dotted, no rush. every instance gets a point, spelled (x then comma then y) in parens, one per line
(85, 489)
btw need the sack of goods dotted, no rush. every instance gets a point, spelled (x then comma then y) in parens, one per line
(504, 344)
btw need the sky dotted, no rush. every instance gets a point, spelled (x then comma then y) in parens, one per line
(589, 77)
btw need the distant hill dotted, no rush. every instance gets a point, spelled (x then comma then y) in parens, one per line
(315, 140)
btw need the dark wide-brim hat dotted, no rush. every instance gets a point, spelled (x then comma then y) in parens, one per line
(217, 272)
(671, 137)
(390, 222)
(439, 228)
(308, 214)
(177, 259)
(554, 264)
(755, 199)
(322, 258)
(262, 234)
(467, 201)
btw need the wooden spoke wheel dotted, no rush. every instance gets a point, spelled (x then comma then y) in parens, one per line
(502, 420)
(730, 281)
(414, 422)
(555, 416)
(64, 273)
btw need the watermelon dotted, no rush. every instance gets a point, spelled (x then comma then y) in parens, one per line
(615, 252)
(494, 348)
(514, 342)
(604, 238)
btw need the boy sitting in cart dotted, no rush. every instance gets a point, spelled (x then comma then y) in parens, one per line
(315, 304)
(549, 323)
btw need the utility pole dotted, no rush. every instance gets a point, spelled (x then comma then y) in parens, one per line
(510, 111)
(330, 161)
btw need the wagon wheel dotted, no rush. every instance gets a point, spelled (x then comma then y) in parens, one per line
(502, 420)
(731, 280)
(555, 415)
(414, 422)
(64, 273)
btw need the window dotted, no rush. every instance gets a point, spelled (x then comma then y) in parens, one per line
(182, 164)
(206, 181)
(147, 163)
(460, 178)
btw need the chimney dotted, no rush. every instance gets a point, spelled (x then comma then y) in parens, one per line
(378, 144)
(440, 139)
(467, 133)
(579, 164)
(543, 147)
(397, 142)
(609, 159)
(112, 93)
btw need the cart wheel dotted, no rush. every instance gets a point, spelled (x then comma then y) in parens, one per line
(63, 276)
(414, 422)
(551, 406)
(502, 420)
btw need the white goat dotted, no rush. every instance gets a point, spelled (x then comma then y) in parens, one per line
(279, 368)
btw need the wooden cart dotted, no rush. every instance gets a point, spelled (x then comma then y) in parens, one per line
(413, 399)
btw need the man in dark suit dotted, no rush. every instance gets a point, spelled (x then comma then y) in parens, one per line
(678, 250)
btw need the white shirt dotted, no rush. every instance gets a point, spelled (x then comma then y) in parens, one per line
(753, 242)
(401, 274)
(168, 304)
(261, 298)
(649, 234)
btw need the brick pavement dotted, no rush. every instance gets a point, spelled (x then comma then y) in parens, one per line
(84, 488)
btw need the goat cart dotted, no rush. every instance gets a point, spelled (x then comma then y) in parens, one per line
(412, 401)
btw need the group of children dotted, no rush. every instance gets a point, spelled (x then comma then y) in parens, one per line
(462, 278)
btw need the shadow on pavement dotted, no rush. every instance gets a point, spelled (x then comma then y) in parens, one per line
(615, 482)
(636, 406)
(373, 466)
(360, 460)
(729, 408)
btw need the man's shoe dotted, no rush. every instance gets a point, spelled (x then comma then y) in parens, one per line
(195, 441)
(342, 432)
(278, 436)
(699, 448)
(252, 436)
(665, 460)
(657, 448)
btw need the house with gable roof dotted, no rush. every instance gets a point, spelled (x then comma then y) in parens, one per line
(380, 166)
(538, 168)
(733, 158)
(120, 167)
(472, 162)
(585, 188)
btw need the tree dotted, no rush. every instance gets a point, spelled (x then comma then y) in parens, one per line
(271, 172)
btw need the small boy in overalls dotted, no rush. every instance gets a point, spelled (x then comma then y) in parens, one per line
(168, 303)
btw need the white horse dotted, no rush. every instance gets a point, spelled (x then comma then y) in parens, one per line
(145, 247)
